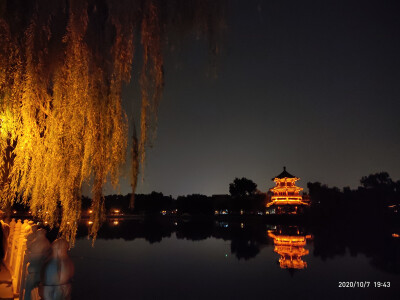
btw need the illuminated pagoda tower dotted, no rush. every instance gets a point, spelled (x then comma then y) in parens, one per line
(291, 249)
(286, 198)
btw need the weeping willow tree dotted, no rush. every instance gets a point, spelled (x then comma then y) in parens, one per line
(62, 68)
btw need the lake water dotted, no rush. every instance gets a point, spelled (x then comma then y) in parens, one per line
(170, 259)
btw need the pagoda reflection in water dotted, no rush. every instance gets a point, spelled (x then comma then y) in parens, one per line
(289, 244)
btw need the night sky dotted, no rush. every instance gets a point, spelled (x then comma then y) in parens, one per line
(310, 85)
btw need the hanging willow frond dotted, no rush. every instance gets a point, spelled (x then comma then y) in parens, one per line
(63, 65)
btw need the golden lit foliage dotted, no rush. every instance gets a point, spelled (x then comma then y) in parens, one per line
(62, 68)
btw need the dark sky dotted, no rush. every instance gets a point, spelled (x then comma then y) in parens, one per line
(310, 85)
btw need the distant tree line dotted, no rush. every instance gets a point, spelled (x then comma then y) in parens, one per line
(377, 196)
(243, 196)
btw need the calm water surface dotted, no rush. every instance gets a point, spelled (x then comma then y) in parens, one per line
(232, 260)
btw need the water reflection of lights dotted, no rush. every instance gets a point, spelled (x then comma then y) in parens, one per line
(291, 249)
(114, 222)
(223, 224)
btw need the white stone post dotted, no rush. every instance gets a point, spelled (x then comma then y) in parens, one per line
(7, 259)
(14, 247)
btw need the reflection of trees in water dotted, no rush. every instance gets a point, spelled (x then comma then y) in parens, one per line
(374, 240)
(245, 249)
(129, 230)
(195, 230)
(248, 238)
(387, 257)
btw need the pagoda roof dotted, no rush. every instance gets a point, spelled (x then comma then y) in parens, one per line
(284, 174)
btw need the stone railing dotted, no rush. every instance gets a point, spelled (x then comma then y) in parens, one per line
(16, 250)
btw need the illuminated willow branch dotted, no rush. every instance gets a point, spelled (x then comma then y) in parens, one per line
(62, 68)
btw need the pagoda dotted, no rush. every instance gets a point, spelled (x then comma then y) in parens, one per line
(286, 196)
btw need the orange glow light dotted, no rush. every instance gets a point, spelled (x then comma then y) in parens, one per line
(291, 249)
(286, 192)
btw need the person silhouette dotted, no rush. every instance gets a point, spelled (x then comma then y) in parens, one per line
(57, 273)
(38, 250)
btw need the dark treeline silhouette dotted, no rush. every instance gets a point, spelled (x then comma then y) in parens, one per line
(378, 196)
(150, 203)
(359, 221)
(242, 187)
(190, 204)
(244, 197)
